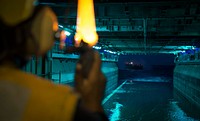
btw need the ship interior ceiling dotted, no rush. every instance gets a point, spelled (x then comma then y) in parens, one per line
(139, 26)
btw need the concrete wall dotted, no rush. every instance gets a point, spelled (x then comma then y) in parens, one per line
(110, 70)
(187, 81)
(63, 72)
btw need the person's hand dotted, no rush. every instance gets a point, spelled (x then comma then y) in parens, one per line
(91, 89)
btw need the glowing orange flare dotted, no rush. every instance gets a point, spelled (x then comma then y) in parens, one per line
(86, 26)
(55, 25)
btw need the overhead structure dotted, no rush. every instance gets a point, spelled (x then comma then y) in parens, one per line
(139, 26)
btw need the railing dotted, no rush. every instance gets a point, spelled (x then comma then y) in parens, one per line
(61, 54)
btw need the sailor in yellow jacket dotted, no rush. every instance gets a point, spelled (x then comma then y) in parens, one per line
(27, 30)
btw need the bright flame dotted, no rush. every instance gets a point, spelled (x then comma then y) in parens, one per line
(86, 26)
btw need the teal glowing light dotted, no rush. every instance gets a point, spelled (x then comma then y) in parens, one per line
(186, 47)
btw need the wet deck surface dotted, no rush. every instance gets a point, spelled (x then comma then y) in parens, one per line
(148, 101)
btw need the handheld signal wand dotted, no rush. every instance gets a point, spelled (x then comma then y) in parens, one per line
(85, 36)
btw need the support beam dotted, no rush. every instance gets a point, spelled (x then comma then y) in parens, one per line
(145, 34)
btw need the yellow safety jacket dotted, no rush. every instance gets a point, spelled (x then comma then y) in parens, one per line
(27, 97)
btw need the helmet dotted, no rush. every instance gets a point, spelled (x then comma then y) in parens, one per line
(35, 26)
(13, 12)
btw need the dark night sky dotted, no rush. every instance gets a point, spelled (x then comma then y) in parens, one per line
(147, 60)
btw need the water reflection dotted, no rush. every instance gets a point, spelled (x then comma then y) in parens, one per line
(149, 101)
(177, 114)
(115, 116)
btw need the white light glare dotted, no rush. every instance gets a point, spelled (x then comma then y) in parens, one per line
(96, 47)
(67, 33)
(110, 51)
(60, 26)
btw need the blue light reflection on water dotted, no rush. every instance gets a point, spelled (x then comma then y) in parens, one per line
(177, 114)
(115, 116)
(148, 101)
